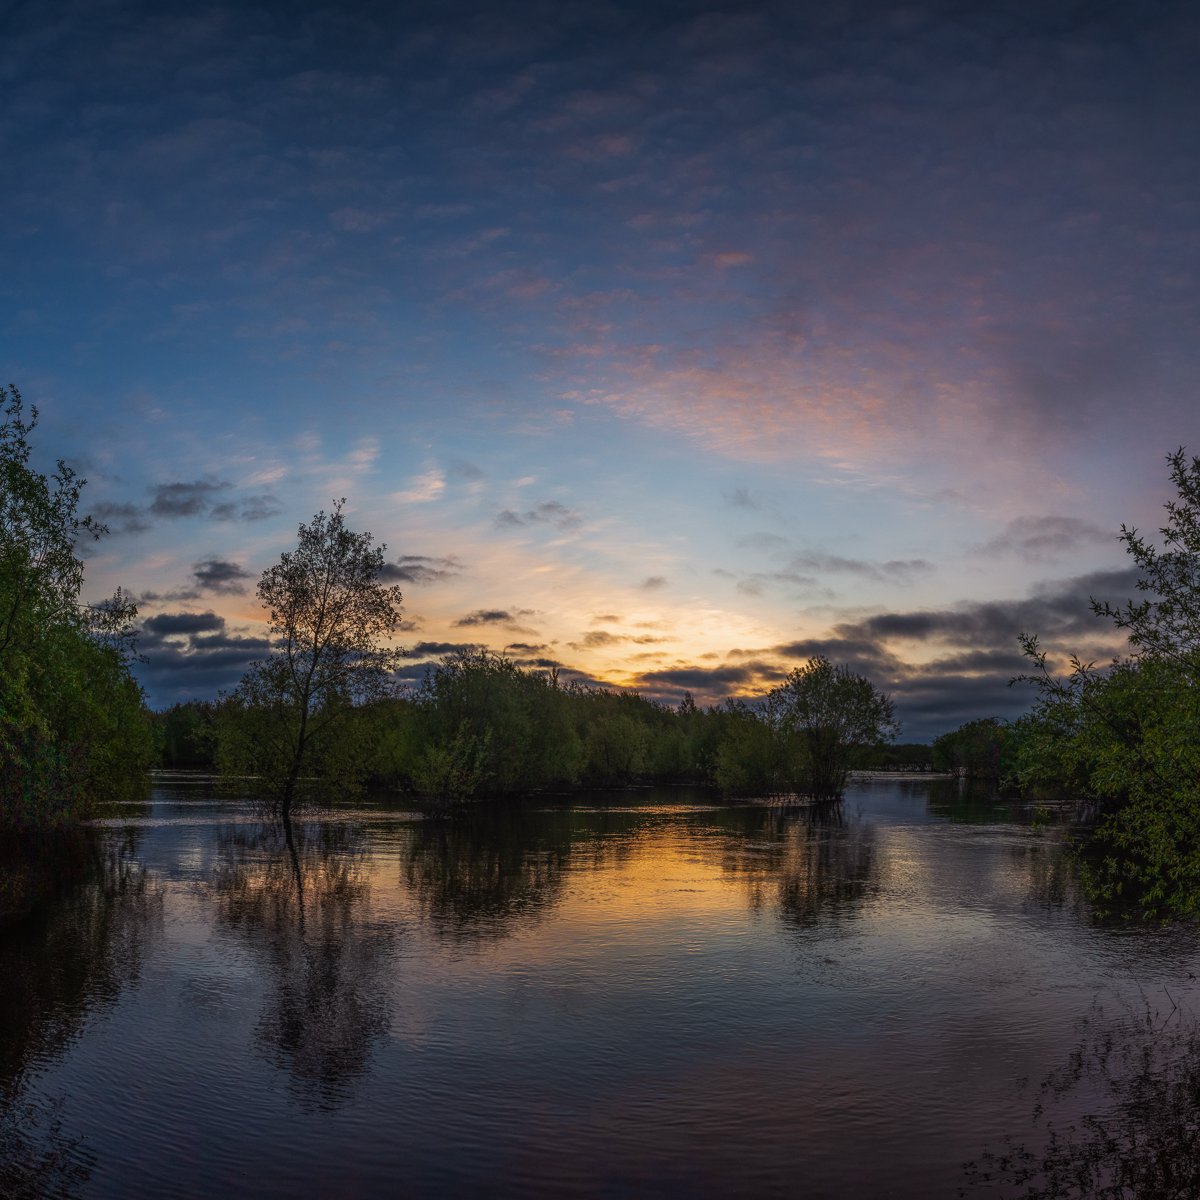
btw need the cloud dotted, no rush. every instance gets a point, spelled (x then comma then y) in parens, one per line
(251, 508)
(1056, 610)
(1039, 538)
(217, 575)
(175, 624)
(121, 518)
(895, 571)
(711, 681)
(500, 617)
(438, 649)
(177, 501)
(597, 639)
(653, 582)
(422, 489)
(193, 655)
(549, 512)
(486, 616)
(172, 500)
(420, 569)
(741, 498)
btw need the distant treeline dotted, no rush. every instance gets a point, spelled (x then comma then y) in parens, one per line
(482, 726)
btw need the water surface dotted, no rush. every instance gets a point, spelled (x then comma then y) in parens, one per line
(640, 994)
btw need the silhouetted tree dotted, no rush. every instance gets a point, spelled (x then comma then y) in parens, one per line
(288, 720)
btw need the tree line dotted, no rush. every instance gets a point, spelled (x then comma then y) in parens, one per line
(479, 725)
(322, 715)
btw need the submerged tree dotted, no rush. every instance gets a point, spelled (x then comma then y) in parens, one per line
(329, 615)
(832, 712)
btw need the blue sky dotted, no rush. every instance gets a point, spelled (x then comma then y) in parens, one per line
(670, 343)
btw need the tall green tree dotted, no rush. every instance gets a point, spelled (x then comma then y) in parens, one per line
(291, 719)
(1124, 738)
(73, 727)
(831, 711)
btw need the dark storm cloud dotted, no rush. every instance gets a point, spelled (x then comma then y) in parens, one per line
(420, 569)
(1039, 538)
(862, 654)
(701, 678)
(549, 512)
(968, 653)
(217, 575)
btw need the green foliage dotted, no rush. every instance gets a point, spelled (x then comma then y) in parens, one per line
(292, 720)
(186, 735)
(751, 759)
(805, 736)
(975, 750)
(73, 728)
(830, 711)
(1123, 739)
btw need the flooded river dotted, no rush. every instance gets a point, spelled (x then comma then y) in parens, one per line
(639, 994)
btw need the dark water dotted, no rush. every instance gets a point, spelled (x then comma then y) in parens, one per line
(647, 994)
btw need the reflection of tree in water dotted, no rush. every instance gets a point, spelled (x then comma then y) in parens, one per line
(305, 908)
(1049, 874)
(494, 870)
(1142, 1137)
(72, 954)
(501, 868)
(813, 863)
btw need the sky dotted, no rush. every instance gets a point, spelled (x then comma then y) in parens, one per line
(667, 343)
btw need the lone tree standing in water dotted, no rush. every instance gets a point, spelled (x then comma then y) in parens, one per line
(832, 712)
(329, 615)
